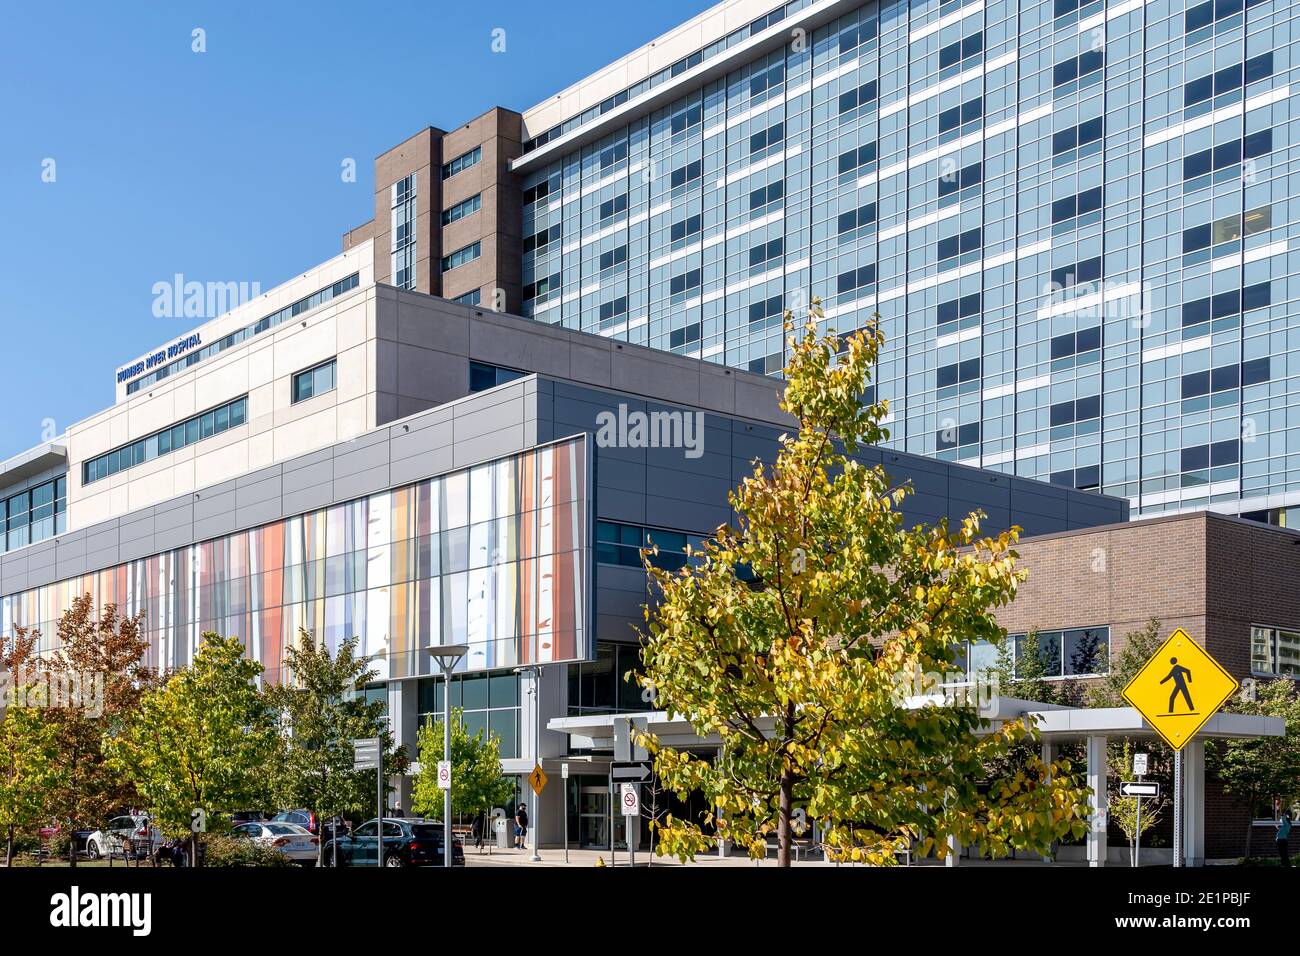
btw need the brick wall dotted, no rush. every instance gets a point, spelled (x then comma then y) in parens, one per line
(1120, 576)
(1213, 575)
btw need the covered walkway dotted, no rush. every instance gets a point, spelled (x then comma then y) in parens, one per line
(1090, 728)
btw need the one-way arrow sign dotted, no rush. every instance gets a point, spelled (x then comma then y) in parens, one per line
(631, 771)
(1134, 788)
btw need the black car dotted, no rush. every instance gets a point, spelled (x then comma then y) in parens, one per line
(407, 842)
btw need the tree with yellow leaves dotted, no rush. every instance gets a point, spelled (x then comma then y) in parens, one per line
(794, 637)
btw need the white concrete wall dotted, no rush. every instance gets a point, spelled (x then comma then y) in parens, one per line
(359, 259)
(262, 368)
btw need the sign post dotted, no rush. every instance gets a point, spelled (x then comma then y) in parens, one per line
(537, 780)
(564, 775)
(1177, 691)
(367, 754)
(630, 800)
(620, 772)
(1140, 769)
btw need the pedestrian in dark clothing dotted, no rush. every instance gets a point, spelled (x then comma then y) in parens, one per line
(476, 831)
(1282, 820)
(521, 827)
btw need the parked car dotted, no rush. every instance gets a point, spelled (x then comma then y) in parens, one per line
(79, 837)
(407, 842)
(324, 829)
(249, 816)
(289, 839)
(129, 833)
(303, 818)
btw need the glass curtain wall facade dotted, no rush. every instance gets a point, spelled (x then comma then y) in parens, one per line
(494, 556)
(1072, 219)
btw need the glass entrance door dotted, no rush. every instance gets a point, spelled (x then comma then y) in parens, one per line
(593, 817)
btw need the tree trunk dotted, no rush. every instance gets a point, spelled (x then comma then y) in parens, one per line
(9, 848)
(784, 834)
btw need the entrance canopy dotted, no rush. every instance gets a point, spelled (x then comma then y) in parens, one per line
(1093, 727)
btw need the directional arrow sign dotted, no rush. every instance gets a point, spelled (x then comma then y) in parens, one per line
(365, 753)
(1134, 788)
(631, 771)
(1179, 689)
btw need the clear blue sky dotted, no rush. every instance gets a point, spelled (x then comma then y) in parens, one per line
(225, 165)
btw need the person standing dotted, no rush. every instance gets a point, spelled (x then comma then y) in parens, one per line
(521, 827)
(476, 830)
(1282, 820)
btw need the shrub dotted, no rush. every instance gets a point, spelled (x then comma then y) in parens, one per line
(58, 845)
(225, 851)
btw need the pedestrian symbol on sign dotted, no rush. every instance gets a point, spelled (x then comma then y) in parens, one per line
(1181, 677)
(1162, 689)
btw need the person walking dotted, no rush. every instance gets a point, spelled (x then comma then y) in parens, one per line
(476, 831)
(1282, 820)
(521, 827)
(1181, 677)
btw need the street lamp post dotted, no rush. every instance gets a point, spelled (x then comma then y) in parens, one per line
(535, 691)
(447, 656)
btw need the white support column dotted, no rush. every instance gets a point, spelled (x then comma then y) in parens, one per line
(404, 721)
(1097, 783)
(1194, 803)
(1048, 754)
(954, 852)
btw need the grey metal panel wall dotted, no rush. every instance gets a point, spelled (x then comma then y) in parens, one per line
(662, 487)
(651, 486)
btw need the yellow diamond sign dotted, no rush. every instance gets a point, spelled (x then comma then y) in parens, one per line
(537, 779)
(1179, 689)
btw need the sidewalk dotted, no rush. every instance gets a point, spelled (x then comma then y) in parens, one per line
(588, 858)
(554, 857)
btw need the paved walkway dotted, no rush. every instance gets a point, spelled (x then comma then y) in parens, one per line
(589, 858)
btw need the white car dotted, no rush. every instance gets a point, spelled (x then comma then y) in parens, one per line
(289, 839)
(123, 833)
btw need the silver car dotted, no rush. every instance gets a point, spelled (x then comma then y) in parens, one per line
(288, 839)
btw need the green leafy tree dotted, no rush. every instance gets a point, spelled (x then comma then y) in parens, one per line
(1122, 810)
(321, 711)
(1139, 647)
(204, 739)
(791, 634)
(1255, 772)
(114, 649)
(29, 772)
(477, 784)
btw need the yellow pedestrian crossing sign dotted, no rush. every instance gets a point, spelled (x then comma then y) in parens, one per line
(1179, 689)
(537, 779)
